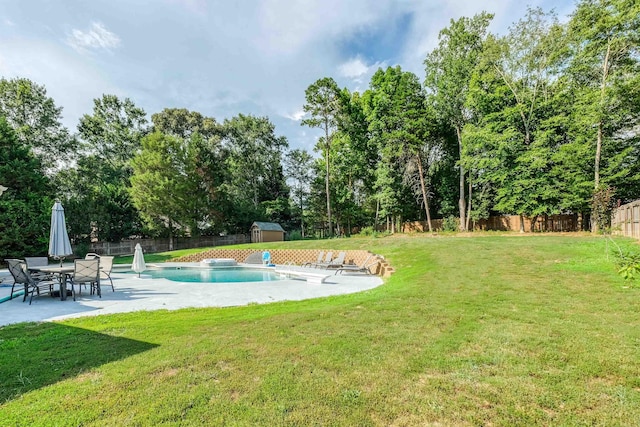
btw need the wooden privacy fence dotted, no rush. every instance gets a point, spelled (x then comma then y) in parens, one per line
(567, 222)
(126, 247)
(626, 220)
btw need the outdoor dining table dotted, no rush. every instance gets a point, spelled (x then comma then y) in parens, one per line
(61, 271)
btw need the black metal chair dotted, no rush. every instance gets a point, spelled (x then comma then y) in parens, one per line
(20, 273)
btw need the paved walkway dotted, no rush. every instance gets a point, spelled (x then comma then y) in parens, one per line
(135, 294)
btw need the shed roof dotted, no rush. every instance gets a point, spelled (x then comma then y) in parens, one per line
(267, 226)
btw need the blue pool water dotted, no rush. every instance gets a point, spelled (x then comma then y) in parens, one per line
(213, 275)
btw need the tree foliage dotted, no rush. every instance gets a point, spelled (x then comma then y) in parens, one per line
(25, 207)
(36, 121)
(449, 68)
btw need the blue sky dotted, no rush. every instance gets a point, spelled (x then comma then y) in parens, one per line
(222, 58)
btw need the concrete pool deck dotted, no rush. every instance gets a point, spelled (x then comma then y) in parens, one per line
(145, 294)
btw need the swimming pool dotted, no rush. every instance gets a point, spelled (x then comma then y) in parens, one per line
(212, 275)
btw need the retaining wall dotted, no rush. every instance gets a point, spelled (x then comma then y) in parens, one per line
(294, 256)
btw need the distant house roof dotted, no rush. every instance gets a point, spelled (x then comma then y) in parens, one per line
(268, 226)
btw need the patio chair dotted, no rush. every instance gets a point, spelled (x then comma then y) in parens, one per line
(106, 265)
(318, 261)
(254, 258)
(337, 262)
(38, 261)
(365, 267)
(86, 271)
(20, 273)
(327, 259)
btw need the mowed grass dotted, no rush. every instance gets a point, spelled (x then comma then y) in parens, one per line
(491, 330)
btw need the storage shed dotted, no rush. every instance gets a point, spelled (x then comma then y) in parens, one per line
(266, 232)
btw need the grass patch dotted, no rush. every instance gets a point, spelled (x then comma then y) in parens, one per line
(497, 329)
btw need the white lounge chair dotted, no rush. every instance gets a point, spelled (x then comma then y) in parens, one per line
(337, 262)
(318, 261)
(365, 267)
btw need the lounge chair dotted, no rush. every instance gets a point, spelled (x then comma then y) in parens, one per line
(20, 273)
(337, 262)
(254, 258)
(86, 271)
(365, 267)
(327, 259)
(318, 261)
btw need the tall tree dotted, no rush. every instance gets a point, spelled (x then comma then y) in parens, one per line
(508, 164)
(36, 120)
(606, 42)
(322, 105)
(164, 185)
(25, 204)
(398, 117)
(98, 185)
(449, 68)
(298, 167)
(255, 176)
(114, 130)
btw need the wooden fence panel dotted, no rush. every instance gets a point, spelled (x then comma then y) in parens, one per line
(126, 247)
(565, 222)
(625, 220)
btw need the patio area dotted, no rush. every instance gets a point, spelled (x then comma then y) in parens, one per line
(136, 294)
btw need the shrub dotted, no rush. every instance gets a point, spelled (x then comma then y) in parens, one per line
(295, 235)
(628, 265)
(451, 223)
(367, 231)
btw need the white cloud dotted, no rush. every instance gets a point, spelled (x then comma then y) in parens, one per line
(68, 80)
(96, 37)
(353, 68)
(9, 23)
(296, 116)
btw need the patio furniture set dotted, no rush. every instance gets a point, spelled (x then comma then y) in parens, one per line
(38, 277)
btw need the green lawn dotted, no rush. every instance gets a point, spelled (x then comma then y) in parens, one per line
(489, 330)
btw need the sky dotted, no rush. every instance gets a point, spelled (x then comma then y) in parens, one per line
(222, 58)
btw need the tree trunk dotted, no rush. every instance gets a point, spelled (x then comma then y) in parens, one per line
(603, 86)
(461, 201)
(327, 190)
(534, 219)
(425, 199)
(521, 223)
(327, 144)
(302, 217)
(170, 235)
(580, 226)
(469, 210)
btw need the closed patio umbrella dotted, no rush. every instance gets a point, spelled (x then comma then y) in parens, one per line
(59, 244)
(138, 265)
